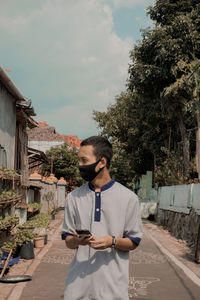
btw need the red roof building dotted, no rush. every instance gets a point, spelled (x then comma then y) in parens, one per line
(71, 140)
(44, 132)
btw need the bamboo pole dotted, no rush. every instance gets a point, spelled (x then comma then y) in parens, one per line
(6, 264)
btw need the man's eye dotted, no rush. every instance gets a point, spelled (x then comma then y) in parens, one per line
(83, 160)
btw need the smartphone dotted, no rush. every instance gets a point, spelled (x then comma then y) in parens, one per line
(83, 233)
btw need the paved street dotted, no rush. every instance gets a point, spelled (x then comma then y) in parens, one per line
(152, 274)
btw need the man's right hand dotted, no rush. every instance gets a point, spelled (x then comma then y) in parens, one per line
(82, 240)
(72, 242)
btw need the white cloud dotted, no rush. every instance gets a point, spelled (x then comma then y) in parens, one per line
(131, 3)
(64, 117)
(70, 59)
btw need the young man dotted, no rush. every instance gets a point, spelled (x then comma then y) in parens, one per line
(110, 211)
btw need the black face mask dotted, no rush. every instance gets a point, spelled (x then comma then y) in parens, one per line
(88, 172)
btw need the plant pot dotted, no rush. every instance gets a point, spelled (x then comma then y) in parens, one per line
(30, 209)
(26, 251)
(39, 242)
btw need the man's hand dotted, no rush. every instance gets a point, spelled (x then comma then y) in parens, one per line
(82, 240)
(101, 243)
(72, 242)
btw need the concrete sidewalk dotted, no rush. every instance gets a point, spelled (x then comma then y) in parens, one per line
(160, 269)
(11, 291)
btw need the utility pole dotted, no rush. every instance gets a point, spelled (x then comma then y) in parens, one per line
(52, 164)
(169, 144)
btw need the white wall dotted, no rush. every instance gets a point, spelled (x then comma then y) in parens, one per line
(44, 145)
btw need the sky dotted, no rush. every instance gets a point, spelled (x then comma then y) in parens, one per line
(70, 57)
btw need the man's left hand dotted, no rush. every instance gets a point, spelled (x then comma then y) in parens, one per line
(102, 243)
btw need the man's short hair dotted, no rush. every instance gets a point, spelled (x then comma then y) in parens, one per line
(102, 147)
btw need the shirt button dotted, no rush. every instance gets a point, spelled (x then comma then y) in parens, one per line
(98, 194)
(97, 209)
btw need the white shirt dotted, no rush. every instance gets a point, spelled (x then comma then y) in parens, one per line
(101, 274)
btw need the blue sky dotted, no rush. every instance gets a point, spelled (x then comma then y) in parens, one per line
(70, 57)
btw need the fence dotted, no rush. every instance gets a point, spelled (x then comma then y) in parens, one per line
(180, 198)
(179, 212)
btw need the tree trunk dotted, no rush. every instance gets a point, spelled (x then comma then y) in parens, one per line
(186, 143)
(198, 145)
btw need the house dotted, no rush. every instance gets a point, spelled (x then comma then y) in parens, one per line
(44, 137)
(16, 119)
(18, 161)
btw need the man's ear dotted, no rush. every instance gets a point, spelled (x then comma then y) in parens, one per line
(103, 162)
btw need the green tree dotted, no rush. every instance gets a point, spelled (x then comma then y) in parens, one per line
(160, 108)
(157, 67)
(65, 163)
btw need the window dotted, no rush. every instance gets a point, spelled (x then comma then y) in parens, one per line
(3, 157)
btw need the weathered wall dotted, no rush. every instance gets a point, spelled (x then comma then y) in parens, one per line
(58, 192)
(179, 210)
(7, 127)
(61, 195)
(145, 186)
(182, 226)
(23, 152)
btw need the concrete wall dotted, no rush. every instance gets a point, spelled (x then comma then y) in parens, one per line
(44, 145)
(145, 186)
(179, 211)
(61, 195)
(180, 198)
(7, 127)
(182, 226)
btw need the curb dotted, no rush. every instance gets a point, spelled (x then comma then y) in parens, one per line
(190, 274)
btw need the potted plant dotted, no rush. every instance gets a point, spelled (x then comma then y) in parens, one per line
(21, 243)
(34, 206)
(39, 223)
(39, 241)
(53, 210)
(39, 220)
(8, 194)
(8, 221)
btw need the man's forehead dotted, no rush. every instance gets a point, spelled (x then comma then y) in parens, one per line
(86, 150)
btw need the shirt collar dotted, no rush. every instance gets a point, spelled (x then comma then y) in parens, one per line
(104, 187)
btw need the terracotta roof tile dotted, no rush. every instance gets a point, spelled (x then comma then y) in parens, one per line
(71, 140)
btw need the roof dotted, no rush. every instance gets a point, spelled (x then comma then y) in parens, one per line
(44, 133)
(71, 140)
(21, 102)
(36, 157)
(24, 119)
(42, 124)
